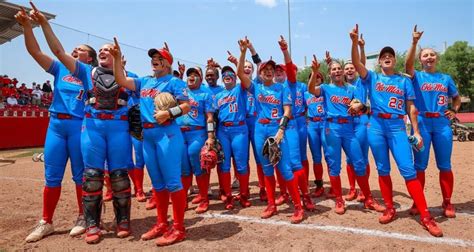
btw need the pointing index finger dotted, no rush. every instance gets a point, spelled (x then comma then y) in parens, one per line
(33, 6)
(414, 29)
(116, 42)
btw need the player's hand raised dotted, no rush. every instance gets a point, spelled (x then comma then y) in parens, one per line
(361, 40)
(328, 58)
(315, 64)
(37, 16)
(283, 44)
(232, 58)
(416, 35)
(354, 34)
(115, 50)
(181, 68)
(22, 18)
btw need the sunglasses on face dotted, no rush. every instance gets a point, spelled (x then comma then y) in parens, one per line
(228, 74)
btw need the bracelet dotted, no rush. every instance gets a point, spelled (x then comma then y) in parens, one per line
(175, 112)
(284, 122)
(210, 127)
(256, 59)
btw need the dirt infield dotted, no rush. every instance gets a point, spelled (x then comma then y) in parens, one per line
(241, 229)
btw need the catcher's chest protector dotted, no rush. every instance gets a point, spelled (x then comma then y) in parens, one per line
(106, 94)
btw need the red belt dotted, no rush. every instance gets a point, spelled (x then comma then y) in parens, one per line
(104, 116)
(154, 125)
(268, 121)
(300, 114)
(338, 120)
(388, 115)
(430, 114)
(190, 128)
(63, 116)
(230, 124)
(316, 119)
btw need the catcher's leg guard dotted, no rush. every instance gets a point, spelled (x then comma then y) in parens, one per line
(92, 202)
(122, 200)
(50, 201)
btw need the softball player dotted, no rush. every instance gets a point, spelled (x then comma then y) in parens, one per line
(316, 121)
(198, 129)
(163, 143)
(273, 104)
(390, 96)
(232, 132)
(432, 91)
(64, 130)
(339, 132)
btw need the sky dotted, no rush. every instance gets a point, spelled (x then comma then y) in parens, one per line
(196, 30)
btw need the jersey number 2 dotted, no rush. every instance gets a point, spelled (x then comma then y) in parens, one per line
(395, 103)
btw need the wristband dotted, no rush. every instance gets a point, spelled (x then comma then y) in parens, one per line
(284, 122)
(256, 59)
(175, 112)
(210, 127)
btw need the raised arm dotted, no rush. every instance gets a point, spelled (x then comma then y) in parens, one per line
(255, 57)
(30, 41)
(119, 73)
(181, 70)
(411, 56)
(290, 70)
(360, 68)
(314, 83)
(232, 59)
(53, 41)
(361, 42)
(245, 80)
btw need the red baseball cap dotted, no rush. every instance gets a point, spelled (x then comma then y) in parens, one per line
(282, 66)
(163, 53)
(264, 64)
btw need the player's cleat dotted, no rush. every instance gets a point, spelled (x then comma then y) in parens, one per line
(140, 195)
(222, 196)
(372, 204)
(93, 235)
(156, 231)
(151, 203)
(429, 224)
(229, 202)
(202, 207)
(269, 212)
(352, 195)
(244, 201)
(340, 206)
(448, 210)
(308, 204)
(298, 215)
(172, 236)
(262, 194)
(79, 227)
(318, 192)
(283, 198)
(197, 199)
(388, 216)
(414, 210)
(41, 230)
(360, 197)
(123, 229)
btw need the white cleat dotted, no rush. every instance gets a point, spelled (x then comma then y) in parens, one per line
(42, 230)
(79, 227)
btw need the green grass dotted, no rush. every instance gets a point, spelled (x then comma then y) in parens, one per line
(469, 124)
(25, 152)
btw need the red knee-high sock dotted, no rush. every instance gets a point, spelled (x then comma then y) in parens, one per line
(363, 182)
(226, 183)
(446, 181)
(351, 176)
(301, 177)
(186, 181)
(244, 184)
(203, 185)
(305, 165)
(367, 170)
(261, 176)
(50, 200)
(219, 177)
(386, 188)
(292, 186)
(420, 175)
(178, 200)
(416, 193)
(281, 182)
(318, 171)
(336, 185)
(79, 198)
(138, 179)
(270, 185)
(162, 202)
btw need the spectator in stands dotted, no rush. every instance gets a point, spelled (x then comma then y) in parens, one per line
(14, 82)
(36, 96)
(22, 88)
(2, 102)
(47, 90)
(6, 80)
(11, 100)
(33, 86)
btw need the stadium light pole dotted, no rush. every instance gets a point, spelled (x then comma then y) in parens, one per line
(289, 26)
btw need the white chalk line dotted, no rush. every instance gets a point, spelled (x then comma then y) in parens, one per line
(342, 229)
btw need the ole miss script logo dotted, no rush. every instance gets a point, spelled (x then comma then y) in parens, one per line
(270, 99)
(73, 80)
(340, 99)
(381, 87)
(434, 87)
